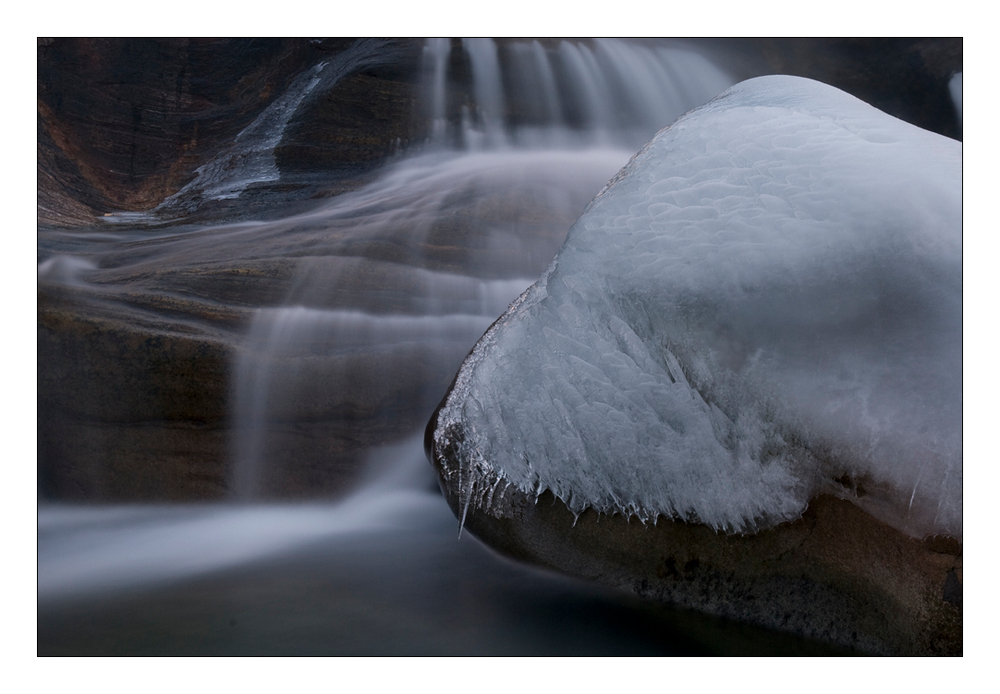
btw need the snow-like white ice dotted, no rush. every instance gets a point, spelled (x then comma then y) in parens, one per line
(763, 305)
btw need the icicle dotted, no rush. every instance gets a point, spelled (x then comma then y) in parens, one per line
(503, 491)
(490, 493)
(463, 498)
(461, 521)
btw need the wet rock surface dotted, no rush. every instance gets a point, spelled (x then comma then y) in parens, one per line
(130, 405)
(836, 575)
(124, 122)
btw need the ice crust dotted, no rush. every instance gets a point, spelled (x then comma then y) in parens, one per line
(763, 305)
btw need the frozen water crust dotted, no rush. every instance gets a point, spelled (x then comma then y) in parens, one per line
(765, 304)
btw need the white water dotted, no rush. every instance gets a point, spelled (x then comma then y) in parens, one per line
(605, 92)
(291, 342)
(488, 93)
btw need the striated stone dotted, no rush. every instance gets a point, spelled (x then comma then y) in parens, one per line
(129, 406)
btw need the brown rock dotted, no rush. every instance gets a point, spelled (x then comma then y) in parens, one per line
(127, 408)
(837, 574)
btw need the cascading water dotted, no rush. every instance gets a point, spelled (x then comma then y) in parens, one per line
(250, 159)
(392, 284)
(435, 58)
(564, 94)
(502, 180)
(395, 283)
(488, 93)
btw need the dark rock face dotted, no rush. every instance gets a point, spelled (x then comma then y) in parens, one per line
(905, 77)
(123, 123)
(130, 406)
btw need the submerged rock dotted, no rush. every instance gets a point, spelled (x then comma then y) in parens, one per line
(761, 312)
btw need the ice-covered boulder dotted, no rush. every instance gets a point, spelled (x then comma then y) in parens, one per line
(766, 300)
(764, 306)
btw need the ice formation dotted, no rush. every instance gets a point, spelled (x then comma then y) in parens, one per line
(763, 305)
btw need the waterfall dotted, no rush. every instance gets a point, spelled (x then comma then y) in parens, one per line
(302, 363)
(488, 92)
(532, 76)
(569, 93)
(435, 59)
(394, 283)
(250, 158)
